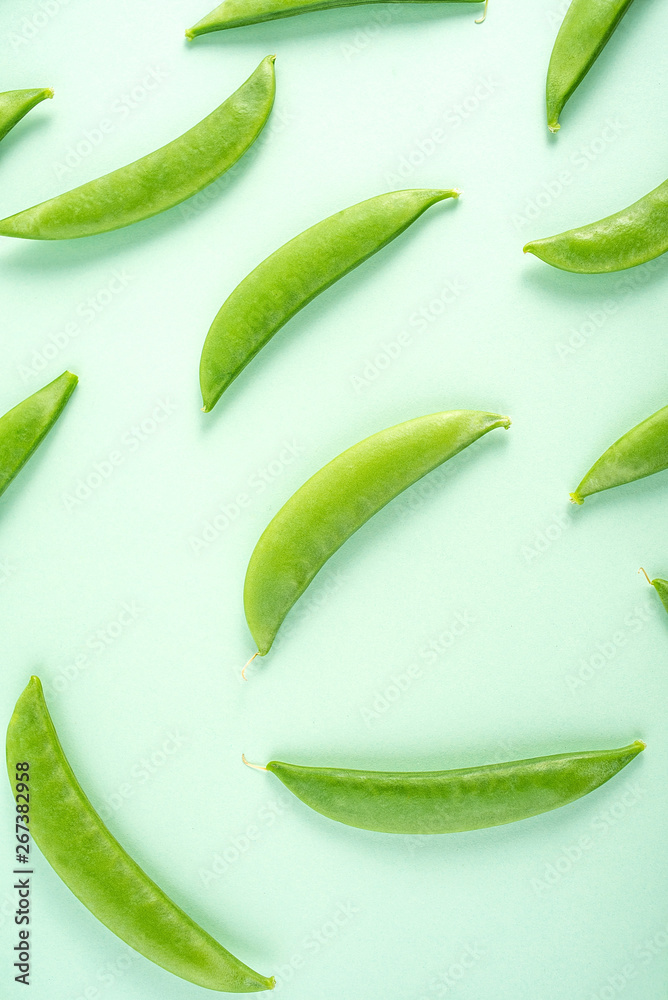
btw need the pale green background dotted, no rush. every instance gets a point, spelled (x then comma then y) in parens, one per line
(536, 587)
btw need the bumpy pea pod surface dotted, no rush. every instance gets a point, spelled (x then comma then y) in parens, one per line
(94, 866)
(633, 236)
(338, 500)
(584, 33)
(235, 13)
(160, 180)
(24, 427)
(469, 798)
(295, 274)
(15, 105)
(640, 452)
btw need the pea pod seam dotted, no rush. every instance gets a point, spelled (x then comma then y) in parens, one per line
(295, 274)
(334, 503)
(237, 13)
(160, 180)
(454, 801)
(23, 428)
(585, 31)
(626, 239)
(641, 452)
(99, 872)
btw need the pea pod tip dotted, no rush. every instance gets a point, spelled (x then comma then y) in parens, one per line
(576, 498)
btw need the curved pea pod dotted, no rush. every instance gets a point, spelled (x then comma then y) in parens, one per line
(470, 798)
(584, 33)
(24, 427)
(160, 180)
(633, 236)
(640, 452)
(338, 500)
(94, 866)
(661, 587)
(236, 13)
(15, 105)
(295, 274)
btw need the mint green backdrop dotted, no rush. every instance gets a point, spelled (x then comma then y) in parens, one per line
(478, 618)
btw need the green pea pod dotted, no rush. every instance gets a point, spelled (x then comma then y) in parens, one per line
(661, 587)
(469, 798)
(295, 274)
(15, 105)
(338, 500)
(640, 452)
(94, 866)
(584, 33)
(236, 13)
(24, 427)
(160, 180)
(633, 236)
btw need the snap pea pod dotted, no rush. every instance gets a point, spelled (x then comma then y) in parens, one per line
(15, 105)
(94, 866)
(661, 587)
(295, 274)
(640, 452)
(468, 798)
(633, 236)
(236, 13)
(584, 33)
(23, 428)
(160, 180)
(338, 500)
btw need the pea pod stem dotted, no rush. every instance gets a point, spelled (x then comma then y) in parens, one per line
(160, 180)
(661, 587)
(100, 873)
